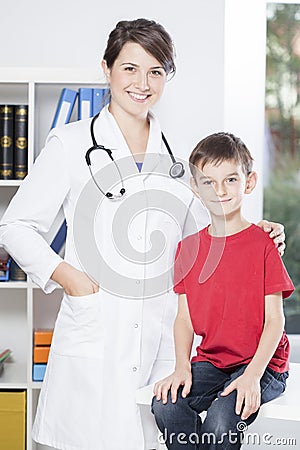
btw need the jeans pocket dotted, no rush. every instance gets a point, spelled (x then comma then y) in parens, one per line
(272, 385)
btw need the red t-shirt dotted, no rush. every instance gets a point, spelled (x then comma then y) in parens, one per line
(225, 280)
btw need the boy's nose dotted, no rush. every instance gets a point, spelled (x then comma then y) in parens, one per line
(220, 190)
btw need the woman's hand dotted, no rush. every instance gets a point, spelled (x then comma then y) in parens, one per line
(75, 282)
(276, 232)
(181, 377)
(248, 394)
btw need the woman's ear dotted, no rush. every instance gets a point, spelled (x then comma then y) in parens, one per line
(105, 69)
(251, 182)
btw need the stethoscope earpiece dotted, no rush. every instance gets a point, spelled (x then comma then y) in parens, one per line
(176, 170)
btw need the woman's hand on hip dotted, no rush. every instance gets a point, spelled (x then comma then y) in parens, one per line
(74, 281)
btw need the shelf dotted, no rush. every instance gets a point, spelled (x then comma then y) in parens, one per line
(10, 182)
(13, 376)
(14, 284)
(68, 75)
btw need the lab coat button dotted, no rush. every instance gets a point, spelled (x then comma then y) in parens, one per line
(136, 325)
(139, 237)
(138, 281)
(134, 369)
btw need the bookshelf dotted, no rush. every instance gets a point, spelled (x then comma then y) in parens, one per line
(23, 306)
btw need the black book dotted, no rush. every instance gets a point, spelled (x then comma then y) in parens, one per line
(16, 273)
(20, 142)
(6, 141)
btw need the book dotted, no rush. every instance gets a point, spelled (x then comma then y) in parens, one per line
(3, 357)
(16, 273)
(60, 237)
(20, 160)
(85, 103)
(6, 141)
(65, 107)
(4, 265)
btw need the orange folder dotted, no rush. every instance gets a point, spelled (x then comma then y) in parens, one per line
(42, 337)
(41, 354)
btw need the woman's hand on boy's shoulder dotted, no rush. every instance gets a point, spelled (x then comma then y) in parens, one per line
(180, 377)
(276, 232)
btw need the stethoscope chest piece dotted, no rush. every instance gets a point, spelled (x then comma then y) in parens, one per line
(176, 170)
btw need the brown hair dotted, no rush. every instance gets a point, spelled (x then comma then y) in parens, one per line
(219, 147)
(149, 34)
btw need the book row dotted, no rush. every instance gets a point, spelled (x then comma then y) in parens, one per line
(13, 141)
(14, 126)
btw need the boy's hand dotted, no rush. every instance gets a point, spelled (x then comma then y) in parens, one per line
(248, 394)
(276, 232)
(181, 377)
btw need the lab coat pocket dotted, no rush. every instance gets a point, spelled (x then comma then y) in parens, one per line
(79, 326)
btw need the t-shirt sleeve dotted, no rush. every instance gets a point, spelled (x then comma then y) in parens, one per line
(276, 276)
(179, 287)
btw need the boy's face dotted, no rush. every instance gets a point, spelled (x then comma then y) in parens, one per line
(222, 187)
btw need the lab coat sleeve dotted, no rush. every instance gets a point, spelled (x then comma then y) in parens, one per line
(32, 212)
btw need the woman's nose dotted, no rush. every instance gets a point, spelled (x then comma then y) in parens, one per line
(142, 81)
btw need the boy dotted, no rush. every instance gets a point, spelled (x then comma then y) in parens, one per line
(231, 281)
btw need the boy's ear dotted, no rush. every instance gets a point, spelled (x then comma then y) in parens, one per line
(251, 182)
(105, 69)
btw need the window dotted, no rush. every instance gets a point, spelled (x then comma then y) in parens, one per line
(282, 155)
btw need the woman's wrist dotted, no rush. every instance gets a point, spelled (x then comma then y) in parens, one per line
(63, 274)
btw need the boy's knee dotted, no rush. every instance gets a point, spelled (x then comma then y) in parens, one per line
(160, 409)
(219, 429)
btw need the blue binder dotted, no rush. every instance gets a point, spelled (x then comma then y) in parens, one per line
(64, 107)
(62, 116)
(100, 99)
(85, 103)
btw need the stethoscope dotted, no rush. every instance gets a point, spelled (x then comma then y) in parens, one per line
(175, 171)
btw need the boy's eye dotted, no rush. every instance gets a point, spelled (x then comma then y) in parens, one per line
(207, 182)
(231, 179)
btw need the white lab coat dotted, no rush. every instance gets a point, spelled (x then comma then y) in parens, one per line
(106, 345)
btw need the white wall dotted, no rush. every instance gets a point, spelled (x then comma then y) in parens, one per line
(220, 79)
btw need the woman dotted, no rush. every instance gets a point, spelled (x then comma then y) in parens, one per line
(113, 333)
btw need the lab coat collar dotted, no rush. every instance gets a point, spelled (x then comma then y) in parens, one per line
(108, 133)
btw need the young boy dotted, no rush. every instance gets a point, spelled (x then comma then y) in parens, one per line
(231, 281)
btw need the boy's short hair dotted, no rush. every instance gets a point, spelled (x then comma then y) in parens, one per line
(219, 147)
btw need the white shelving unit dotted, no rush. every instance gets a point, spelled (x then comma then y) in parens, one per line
(23, 306)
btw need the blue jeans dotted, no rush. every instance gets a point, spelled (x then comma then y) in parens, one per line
(183, 429)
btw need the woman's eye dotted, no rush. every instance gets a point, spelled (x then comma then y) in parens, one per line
(129, 69)
(207, 182)
(156, 73)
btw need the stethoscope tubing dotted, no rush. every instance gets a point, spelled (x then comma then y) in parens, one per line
(176, 170)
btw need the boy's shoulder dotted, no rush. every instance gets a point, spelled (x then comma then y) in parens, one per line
(261, 237)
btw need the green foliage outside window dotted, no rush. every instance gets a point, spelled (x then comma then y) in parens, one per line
(282, 189)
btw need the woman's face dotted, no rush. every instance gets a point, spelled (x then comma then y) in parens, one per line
(136, 81)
